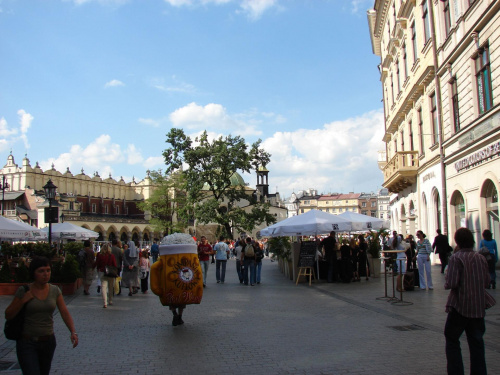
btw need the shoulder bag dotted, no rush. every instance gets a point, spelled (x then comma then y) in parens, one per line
(13, 328)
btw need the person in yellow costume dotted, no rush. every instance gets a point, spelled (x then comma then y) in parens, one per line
(177, 277)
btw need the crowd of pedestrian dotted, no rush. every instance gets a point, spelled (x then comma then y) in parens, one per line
(247, 252)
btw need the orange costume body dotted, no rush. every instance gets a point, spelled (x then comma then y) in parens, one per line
(177, 277)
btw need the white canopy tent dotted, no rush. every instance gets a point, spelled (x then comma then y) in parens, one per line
(312, 222)
(361, 222)
(70, 231)
(16, 230)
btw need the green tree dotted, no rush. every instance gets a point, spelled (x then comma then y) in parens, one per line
(207, 180)
(167, 201)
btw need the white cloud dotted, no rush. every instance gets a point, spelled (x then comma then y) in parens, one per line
(150, 122)
(153, 162)
(102, 2)
(99, 155)
(256, 8)
(5, 132)
(134, 156)
(114, 83)
(361, 5)
(339, 157)
(214, 117)
(175, 85)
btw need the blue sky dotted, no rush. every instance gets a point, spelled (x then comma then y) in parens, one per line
(97, 84)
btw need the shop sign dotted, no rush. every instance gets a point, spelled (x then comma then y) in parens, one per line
(479, 130)
(478, 156)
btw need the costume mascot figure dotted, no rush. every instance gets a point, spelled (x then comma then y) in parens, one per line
(177, 277)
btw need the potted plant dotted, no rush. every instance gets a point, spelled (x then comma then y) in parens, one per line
(374, 249)
(281, 248)
(66, 274)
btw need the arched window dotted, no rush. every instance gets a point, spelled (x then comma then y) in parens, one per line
(123, 237)
(458, 206)
(112, 236)
(424, 222)
(437, 209)
(489, 194)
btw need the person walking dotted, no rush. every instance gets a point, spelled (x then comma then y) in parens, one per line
(35, 349)
(423, 251)
(155, 250)
(466, 278)
(204, 252)
(88, 267)
(441, 246)
(329, 244)
(130, 274)
(221, 255)
(248, 259)
(259, 255)
(363, 269)
(489, 243)
(145, 269)
(239, 263)
(104, 259)
(118, 254)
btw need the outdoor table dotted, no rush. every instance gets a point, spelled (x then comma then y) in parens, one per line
(385, 296)
(400, 301)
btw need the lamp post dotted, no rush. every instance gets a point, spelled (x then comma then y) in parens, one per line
(3, 186)
(50, 193)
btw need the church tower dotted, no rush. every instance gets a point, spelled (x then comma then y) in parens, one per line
(262, 182)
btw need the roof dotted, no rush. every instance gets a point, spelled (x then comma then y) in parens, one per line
(32, 214)
(235, 179)
(12, 195)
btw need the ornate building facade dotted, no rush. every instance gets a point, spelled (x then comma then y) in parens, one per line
(439, 77)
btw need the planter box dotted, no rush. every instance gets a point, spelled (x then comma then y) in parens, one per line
(9, 289)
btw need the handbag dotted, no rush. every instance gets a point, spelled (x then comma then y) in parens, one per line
(13, 328)
(111, 271)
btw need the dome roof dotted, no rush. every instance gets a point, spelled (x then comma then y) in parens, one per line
(235, 179)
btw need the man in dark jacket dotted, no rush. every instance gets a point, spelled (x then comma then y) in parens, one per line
(441, 247)
(328, 244)
(117, 252)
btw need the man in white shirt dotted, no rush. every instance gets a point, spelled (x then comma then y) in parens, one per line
(221, 254)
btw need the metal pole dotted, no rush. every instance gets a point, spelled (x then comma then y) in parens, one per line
(50, 224)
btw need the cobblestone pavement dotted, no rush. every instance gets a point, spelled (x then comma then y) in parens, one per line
(272, 328)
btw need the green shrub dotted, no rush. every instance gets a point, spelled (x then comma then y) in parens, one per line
(22, 274)
(6, 275)
(43, 249)
(73, 247)
(65, 272)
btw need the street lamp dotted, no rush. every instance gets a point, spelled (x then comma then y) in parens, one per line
(50, 194)
(3, 186)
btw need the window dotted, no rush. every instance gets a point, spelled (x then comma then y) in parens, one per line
(405, 63)
(71, 206)
(398, 77)
(447, 17)
(402, 135)
(410, 135)
(483, 79)
(106, 209)
(454, 101)
(381, 215)
(374, 204)
(414, 42)
(421, 130)
(434, 117)
(363, 204)
(427, 25)
(117, 210)
(94, 208)
(364, 212)
(392, 90)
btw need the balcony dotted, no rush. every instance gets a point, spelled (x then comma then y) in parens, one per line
(401, 171)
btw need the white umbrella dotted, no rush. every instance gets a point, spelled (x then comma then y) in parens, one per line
(362, 222)
(312, 222)
(70, 231)
(12, 229)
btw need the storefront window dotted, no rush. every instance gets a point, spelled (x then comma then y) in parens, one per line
(490, 195)
(459, 204)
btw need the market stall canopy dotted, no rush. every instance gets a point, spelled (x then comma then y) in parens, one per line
(70, 231)
(16, 230)
(311, 223)
(362, 222)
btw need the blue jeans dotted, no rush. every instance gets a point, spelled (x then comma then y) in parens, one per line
(238, 270)
(249, 267)
(220, 276)
(204, 266)
(35, 358)
(474, 328)
(258, 267)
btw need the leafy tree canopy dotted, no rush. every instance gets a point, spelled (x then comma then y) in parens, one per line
(167, 202)
(211, 164)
